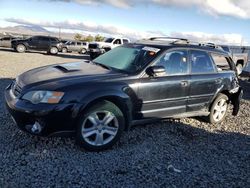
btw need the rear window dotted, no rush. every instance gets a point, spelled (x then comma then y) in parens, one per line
(125, 41)
(201, 62)
(221, 62)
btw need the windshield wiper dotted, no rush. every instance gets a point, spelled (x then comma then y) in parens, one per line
(102, 65)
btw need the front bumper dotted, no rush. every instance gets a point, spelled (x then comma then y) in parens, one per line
(54, 119)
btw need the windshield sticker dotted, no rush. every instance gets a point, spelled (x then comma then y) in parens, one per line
(151, 49)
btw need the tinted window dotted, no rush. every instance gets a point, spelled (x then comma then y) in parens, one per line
(125, 41)
(34, 38)
(109, 40)
(78, 43)
(221, 62)
(43, 39)
(201, 62)
(54, 40)
(175, 62)
(117, 41)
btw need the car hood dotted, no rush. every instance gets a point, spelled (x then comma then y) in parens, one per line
(66, 73)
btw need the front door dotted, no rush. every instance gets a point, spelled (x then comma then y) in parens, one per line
(166, 95)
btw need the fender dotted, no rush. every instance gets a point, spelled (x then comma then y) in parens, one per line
(122, 99)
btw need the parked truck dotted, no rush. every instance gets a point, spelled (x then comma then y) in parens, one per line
(98, 48)
(240, 59)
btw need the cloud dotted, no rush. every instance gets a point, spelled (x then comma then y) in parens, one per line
(110, 30)
(86, 26)
(239, 8)
(230, 39)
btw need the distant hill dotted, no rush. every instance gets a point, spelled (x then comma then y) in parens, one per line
(32, 30)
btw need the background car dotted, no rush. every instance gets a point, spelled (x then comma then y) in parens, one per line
(6, 41)
(75, 46)
(40, 43)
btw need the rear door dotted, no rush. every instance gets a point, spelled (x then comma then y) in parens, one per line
(204, 82)
(44, 43)
(166, 95)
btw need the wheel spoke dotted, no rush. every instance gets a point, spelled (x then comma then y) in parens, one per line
(111, 131)
(99, 139)
(88, 132)
(216, 115)
(224, 108)
(94, 119)
(220, 115)
(108, 118)
(217, 108)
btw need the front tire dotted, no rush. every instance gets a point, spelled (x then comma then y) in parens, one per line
(64, 50)
(83, 51)
(100, 127)
(20, 48)
(218, 109)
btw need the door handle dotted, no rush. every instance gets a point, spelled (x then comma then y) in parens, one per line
(184, 83)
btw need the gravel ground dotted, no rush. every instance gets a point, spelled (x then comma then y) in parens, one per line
(175, 153)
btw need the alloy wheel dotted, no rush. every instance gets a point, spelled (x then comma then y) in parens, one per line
(220, 110)
(100, 128)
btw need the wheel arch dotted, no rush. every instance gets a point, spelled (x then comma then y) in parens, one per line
(240, 61)
(124, 104)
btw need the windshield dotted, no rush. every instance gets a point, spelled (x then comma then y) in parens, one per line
(129, 59)
(109, 40)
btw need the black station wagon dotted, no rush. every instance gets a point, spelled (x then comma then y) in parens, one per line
(138, 82)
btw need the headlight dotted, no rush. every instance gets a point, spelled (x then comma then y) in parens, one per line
(51, 97)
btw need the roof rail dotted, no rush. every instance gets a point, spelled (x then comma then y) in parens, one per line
(167, 38)
(183, 41)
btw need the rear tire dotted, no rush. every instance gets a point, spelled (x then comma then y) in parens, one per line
(20, 48)
(100, 127)
(53, 50)
(218, 109)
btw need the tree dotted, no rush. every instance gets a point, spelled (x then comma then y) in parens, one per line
(78, 36)
(99, 38)
(88, 38)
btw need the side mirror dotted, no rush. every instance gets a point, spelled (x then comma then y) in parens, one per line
(154, 70)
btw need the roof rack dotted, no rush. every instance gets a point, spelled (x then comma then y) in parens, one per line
(175, 40)
(183, 41)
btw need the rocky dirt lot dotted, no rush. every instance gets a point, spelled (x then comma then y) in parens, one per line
(174, 153)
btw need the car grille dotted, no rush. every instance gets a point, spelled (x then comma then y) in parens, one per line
(93, 46)
(16, 89)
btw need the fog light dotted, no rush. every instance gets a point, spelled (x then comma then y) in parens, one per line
(36, 128)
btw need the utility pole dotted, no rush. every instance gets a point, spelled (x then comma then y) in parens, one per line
(59, 32)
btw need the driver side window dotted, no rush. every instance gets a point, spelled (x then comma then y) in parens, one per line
(174, 62)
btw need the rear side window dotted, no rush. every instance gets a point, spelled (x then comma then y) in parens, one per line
(221, 62)
(44, 39)
(201, 62)
(125, 41)
(78, 43)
